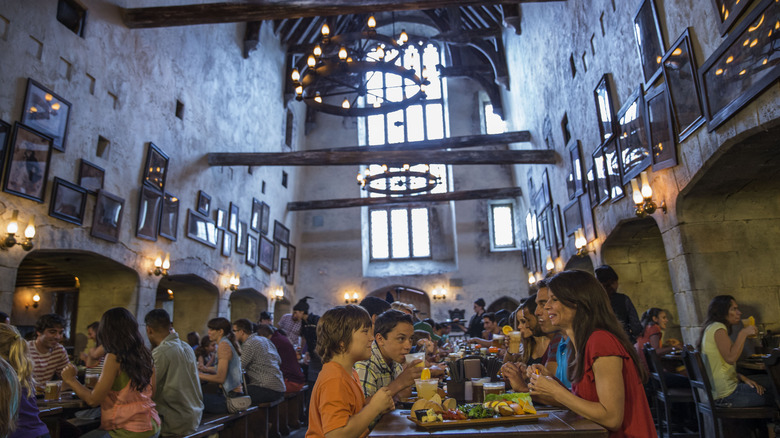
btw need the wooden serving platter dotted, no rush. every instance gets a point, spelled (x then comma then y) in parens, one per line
(478, 421)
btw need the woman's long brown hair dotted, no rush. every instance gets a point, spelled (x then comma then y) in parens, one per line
(581, 291)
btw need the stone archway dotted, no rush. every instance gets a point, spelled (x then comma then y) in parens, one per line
(195, 301)
(635, 250)
(503, 303)
(406, 294)
(247, 303)
(78, 285)
(580, 263)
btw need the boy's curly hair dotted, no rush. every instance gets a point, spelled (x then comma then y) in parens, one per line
(335, 328)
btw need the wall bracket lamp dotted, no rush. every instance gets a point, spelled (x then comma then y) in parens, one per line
(234, 282)
(13, 227)
(580, 242)
(35, 300)
(439, 294)
(351, 299)
(643, 197)
(161, 266)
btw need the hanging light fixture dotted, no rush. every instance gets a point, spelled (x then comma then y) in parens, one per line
(404, 181)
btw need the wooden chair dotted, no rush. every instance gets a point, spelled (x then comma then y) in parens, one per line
(665, 396)
(709, 415)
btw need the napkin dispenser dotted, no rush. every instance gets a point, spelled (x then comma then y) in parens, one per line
(472, 368)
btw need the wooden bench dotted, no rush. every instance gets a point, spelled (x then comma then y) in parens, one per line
(228, 425)
(263, 422)
(292, 410)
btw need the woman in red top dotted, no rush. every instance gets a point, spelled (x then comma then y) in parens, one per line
(606, 375)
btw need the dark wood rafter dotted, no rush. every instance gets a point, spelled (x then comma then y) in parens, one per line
(294, 26)
(312, 30)
(465, 141)
(259, 10)
(466, 195)
(391, 158)
(476, 17)
(512, 17)
(251, 37)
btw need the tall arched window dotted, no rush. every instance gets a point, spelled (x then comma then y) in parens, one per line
(403, 232)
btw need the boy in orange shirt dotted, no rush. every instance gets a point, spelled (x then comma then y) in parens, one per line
(338, 407)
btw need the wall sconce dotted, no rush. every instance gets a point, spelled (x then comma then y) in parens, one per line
(559, 267)
(643, 198)
(549, 264)
(277, 294)
(161, 266)
(170, 294)
(580, 242)
(531, 278)
(36, 299)
(234, 282)
(439, 294)
(351, 299)
(13, 227)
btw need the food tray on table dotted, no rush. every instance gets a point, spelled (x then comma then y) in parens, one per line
(510, 419)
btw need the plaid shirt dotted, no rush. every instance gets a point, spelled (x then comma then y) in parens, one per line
(293, 328)
(260, 360)
(374, 373)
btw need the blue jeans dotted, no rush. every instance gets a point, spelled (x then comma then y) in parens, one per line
(745, 396)
(214, 403)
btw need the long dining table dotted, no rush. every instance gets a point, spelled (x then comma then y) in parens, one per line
(558, 423)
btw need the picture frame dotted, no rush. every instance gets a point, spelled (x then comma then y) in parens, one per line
(600, 175)
(605, 111)
(728, 86)
(682, 87)
(544, 228)
(591, 185)
(572, 217)
(265, 218)
(46, 112)
(227, 243)
(156, 169)
(541, 228)
(632, 142)
(5, 134)
(27, 163)
(169, 217)
(266, 254)
(254, 219)
(290, 277)
(574, 182)
(277, 255)
(201, 229)
(251, 250)
(91, 176)
(149, 208)
(649, 40)
(68, 201)
(233, 219)
(729, 12)
(107, 218)
(614, 170)
(586, 214)
(221, 219)
(560, 233)
(204, 203)
(538, 200)
(281, 233)
(284, 270)
(545, 189)
(241, 237)
(659, 128)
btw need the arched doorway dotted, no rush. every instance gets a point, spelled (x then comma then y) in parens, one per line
(247, 303)
(729, 227)
(503, 303)
(281, 307)
(635, 250)
(580, 263)
(194, 302)
(78, 285)
(405, 294)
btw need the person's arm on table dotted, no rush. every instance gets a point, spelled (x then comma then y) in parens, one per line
(608, 375)
(95, 396)
(357, 424)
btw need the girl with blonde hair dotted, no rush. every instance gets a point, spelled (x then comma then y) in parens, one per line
(14, 350)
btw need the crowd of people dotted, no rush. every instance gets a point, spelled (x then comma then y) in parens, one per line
(582, 348)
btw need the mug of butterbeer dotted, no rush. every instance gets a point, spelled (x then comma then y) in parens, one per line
(515, 339)
(52, 390)
(498, 341)
(91, 379)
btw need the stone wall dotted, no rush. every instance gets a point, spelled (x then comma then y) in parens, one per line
(598, 37)
(333, 259)
(124, 86)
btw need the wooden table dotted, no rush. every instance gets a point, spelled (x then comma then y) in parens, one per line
(558, 423)
(68, 400)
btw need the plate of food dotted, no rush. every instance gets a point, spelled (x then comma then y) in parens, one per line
(497, 409)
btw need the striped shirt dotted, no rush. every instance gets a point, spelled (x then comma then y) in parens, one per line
(45, 365)
(260, 360)
(375, 373)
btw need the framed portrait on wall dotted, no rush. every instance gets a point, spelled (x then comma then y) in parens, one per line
(149, 207)
(91, 176)
(204, 203)
(5, 134)
(635, 154)
(227, 243)
(574, 182)
(221, 218)
(251, 250)
(614, 170)
(27, 165)
(233, 219)
(682, 86)
(169, 218)
(281, 233)
(290, 277)
(107, 219)
(241, 237)
(659, 128)
(68, 201)
(201, 229)
(649, 40)
(600, 175)
(265, 258)
(604, 109)
(572, 217)
(254, 219)
(47, 113)
(729, 12)
(156, 170)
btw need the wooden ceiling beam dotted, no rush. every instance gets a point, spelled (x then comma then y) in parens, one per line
(391, 158)
(259, 10)
(464, 141)
(466, 195)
